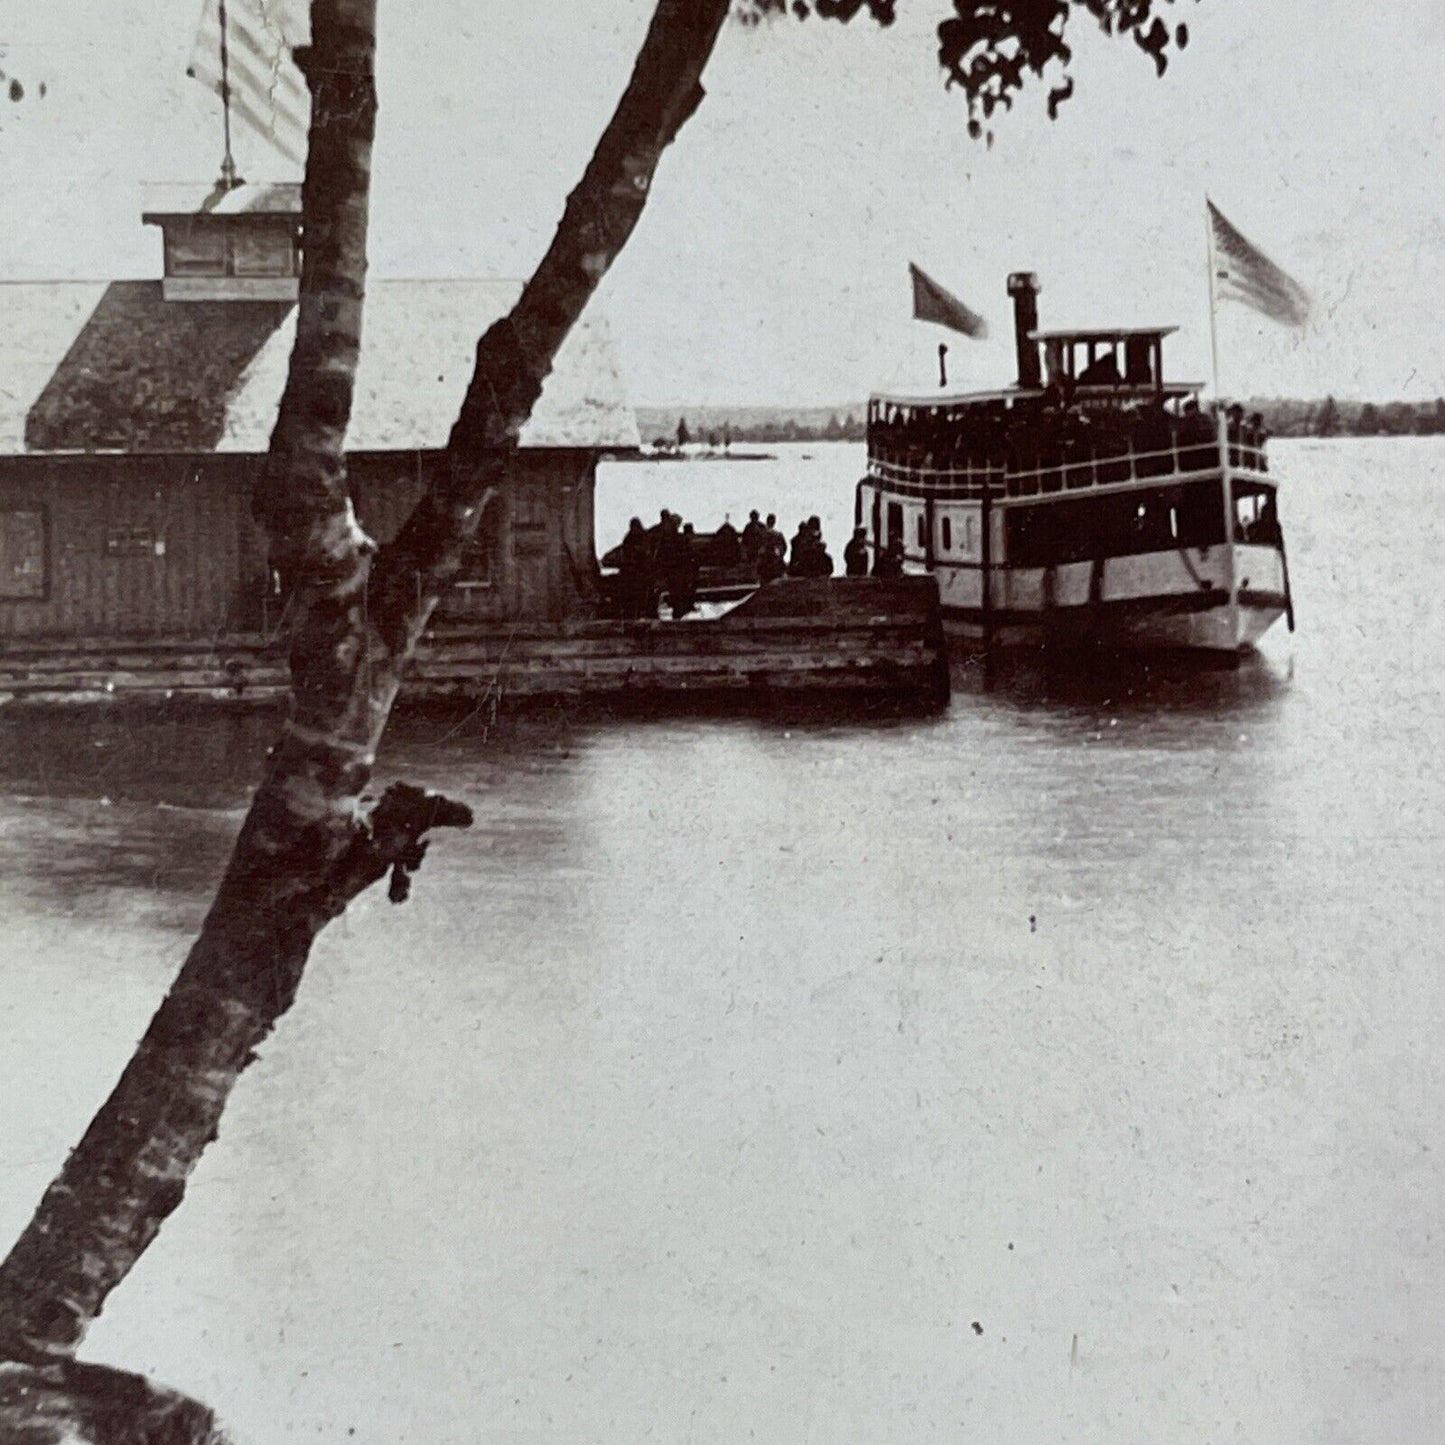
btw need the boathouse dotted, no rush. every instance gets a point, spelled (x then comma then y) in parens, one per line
(134, 416)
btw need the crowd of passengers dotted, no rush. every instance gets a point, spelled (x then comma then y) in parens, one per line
(1055, 435)
(667, 559)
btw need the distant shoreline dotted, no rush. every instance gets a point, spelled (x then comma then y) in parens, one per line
(709, 456)
(772, 425)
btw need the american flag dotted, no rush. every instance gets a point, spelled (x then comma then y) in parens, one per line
(1242, 272)
(269, 97)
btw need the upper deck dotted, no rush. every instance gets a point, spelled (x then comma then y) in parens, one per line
(1090, 408)
(1011, 451)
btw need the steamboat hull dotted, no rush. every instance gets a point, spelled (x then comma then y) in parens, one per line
(1164, 601)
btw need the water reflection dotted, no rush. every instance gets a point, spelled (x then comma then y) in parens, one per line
(196, 760)
(730, 1067)
(151, 803)
(214, 760)
(1143, 684)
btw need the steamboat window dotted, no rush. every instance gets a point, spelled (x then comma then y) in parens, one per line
(895, 521)
(947, 531)
(24, 559)
(1115, 525)
(1256, 518)
(922, 531)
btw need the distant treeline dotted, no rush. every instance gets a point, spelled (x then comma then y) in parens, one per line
(1288, 417)
(718, 426)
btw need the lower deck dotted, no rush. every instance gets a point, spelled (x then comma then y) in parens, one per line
(1196, 560)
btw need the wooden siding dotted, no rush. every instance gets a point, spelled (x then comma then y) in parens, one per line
(164, 546)
(137, 546)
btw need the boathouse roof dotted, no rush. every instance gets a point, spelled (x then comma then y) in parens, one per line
(112, 366)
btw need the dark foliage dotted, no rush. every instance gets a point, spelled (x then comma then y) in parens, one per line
(990, 48)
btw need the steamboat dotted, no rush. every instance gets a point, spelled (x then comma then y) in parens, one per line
(1094, 502)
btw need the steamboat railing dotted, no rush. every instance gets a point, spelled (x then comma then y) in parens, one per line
(944, 483)
(1067, 473)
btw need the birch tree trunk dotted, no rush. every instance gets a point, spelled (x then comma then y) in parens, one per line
(304, 847)
(310, 843)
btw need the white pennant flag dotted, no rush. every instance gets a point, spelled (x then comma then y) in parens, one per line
(269, 97)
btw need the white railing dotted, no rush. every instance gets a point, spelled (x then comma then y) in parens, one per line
(967, 480)
(1182, 458)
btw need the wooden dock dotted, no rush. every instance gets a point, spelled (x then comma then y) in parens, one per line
(790, 640)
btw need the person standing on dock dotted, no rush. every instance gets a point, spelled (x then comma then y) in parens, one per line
(634, 574)
(678, 564)
(754, 534)
(855, 554)
(798, 551)
(727, 544)
(809, 555)
(819, 559)
(773, 553)
(890, 559)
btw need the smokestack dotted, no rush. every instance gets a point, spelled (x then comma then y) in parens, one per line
(1023, 286)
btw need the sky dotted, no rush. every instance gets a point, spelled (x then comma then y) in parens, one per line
(771, 263)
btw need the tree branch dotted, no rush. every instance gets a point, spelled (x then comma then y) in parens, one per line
(94, 1405)
(516, 354)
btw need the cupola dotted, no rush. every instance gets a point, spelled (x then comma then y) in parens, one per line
(236, 243)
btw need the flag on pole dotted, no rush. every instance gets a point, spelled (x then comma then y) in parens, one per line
(932, 303)
(1242, 272)
(269, 97)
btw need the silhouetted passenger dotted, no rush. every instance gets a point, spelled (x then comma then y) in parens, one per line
(819, 560)
(798, 551)
(772, 554)
(752, 538)
(1102, 372)
(889, 562)
(1267, 527)
(655, 534)
(677, 564)
(634, 573)
(727, 545)
(855, 554)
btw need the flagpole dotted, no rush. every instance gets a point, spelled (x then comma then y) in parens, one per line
(228, 161)
(1213, 269)
(1221, 436)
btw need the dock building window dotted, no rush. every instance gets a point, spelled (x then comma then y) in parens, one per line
(481, 557)
(206, 248)
(24, 556)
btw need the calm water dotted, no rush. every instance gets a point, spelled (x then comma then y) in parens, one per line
(1067, 1067)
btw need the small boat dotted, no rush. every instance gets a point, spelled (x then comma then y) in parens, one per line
(722, 574)
(1093, 502)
